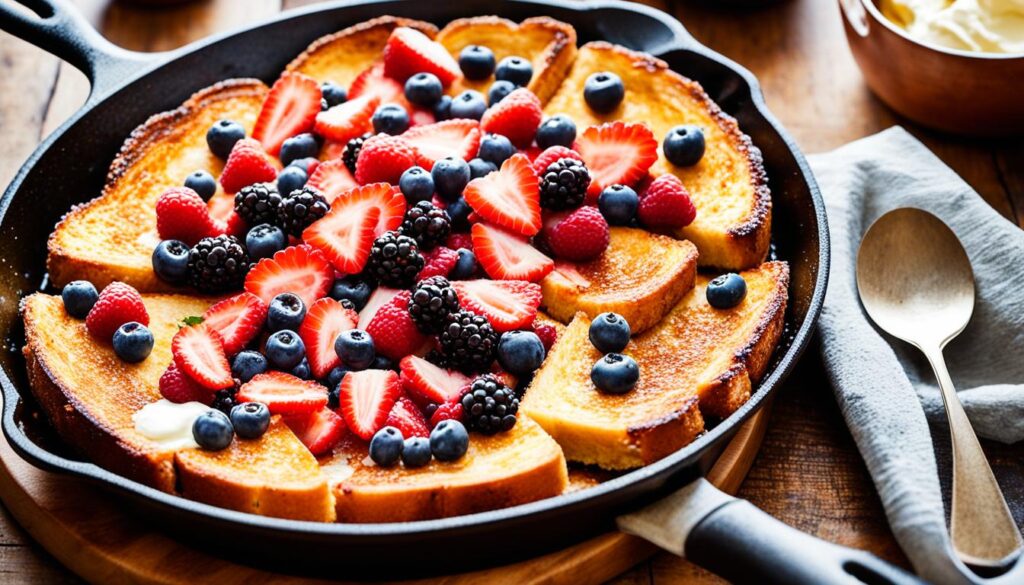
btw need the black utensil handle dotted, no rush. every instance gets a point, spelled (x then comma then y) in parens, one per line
(745, 545)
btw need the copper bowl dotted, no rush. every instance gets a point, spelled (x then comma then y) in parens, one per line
(970, 93)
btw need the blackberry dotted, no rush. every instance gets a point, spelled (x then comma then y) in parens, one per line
(258, 204)
(217, 264)
(301, 208)
(428, 224)
(564, 184)
(431, 302)
(351, 151)
(224, 400)
(395, 260)
(490, 406)
(437, 357)
(469, 342)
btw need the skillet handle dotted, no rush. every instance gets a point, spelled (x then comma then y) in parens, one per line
(59, 28)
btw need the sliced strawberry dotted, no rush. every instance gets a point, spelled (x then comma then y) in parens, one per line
(507, 304)
(421, 117)
(346, 233)
(332, 149)
(325, 319)
(289, 109)
(438, 262)
(366, 398)
(284, 393)
(378, 298)
(408, 52)
(332, 178)
(302, 270)
(430, 384)
(372, 82)
(319, 431)
(504, 255)
(237, 319)
(198, 351)
(345, 121)
(508, 198)
(407, 418)
(447, 411)
(617, 152)
(394, 333)
(458, 138)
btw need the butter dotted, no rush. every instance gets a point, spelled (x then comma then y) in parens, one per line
(169, 424)
(986, 26)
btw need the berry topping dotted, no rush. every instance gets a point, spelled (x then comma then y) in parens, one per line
(333, 93)
(580, 236)
(507, 256)
(170, 261)
(684, 145)
(222, 136)
(217, 264)
(212, 430)
(366, 398)
(289, 109)
(423, 89)
(448, 410)
(431, 302)
(666, 204)
(202, 183)
(346, 233)
(438, 262)
(558, 130)
(326, 319)
(442, 109)
(386, 446)
(117, 304)
(470, 104)
(299, 269)
(455, 138)
(265, 240)
(353, 289)
(247, 364)
(495, 149)
(177, 387)
(394, 333)
(507, 304)
(390, 119)
(283, 393)
(285, 350)
(182, 215)
(517, 116)
(547, 333)
(477, 62)
(459, 211)
(298, 147)
(290, 179)
(465, 267)
(238, 320)
(300, 209)
(563, 185)
(498, 91)
(332, 179)
(469, 342)
(617, 152)
(258, 203)
(378, 298)
(79, 296)
(514, 69)
(726, 291)
(416, 185)
(520, 352)
(428, 384)
(416, 452)
(451, 175)
(286, 311)
(247, 164)
(460, 240)
(349, 120)
(133, 342)
(615, 373)
(490, 406)
(319, 431)
(383, 159)
(609, 333)
(355, 349)
(372, 82)
(408, 52)
(199, 352)
(426, 223)
(449, 440)
(395, 260)
(551, 155)
(618, 204)
(508, 198)
(407, 418)
(603, 91)
(351, 153)
(250, 419)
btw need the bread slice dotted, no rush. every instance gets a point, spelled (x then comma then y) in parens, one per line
(507, 469)
(112, 237)
(698, 360)
(728, 186)
(550, 45)
(640, 276)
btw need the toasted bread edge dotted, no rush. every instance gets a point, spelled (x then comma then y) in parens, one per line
(343, 35)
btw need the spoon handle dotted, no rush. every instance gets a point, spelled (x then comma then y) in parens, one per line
(981, 526)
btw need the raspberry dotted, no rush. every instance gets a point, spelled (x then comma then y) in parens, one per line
(552, 155)
(247, 164)
(393, 331)
(181, 214)
(117, 304)
(460, 240)
(177, 387)
(666, 204)
(580, 236)
(448, 411)
(383, 159)
(517, 117)
(438, 262)
(406, 417)
(547, 333)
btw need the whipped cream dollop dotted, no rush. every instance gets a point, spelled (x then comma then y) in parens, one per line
(168, 423)
(988, 26)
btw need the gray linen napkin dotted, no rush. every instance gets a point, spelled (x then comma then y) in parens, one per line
(884, 387)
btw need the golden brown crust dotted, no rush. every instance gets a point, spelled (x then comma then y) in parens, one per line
(661, 437)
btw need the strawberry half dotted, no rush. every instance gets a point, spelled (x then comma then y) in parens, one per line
(284, 393)
(408, 52)
(504, 255)
(517, 116)
(366, 398)
(508, 198)
(507, 304)
(346, 233)
(290, 108)
(332, 178)
(372, 82)
(319, 431)
(430, 384)
(325, 319)
(407, 418)
(617, 152)
(237, 319)
(345, 121)
(438, 262)
(302, 270)
(198, 351)
(458, 138)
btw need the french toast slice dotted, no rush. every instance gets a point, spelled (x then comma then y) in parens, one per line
(698, 360)
(548, 44)
(728, 186)
(112, 237)
(640, 276)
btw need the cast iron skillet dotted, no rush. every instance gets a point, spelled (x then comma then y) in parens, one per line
(737, 541)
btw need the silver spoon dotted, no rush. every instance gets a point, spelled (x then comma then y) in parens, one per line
(916, 283)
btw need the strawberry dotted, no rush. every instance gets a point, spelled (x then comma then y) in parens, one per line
(547, 333)
(331, 150)
(247, 164)
(421, 117)
(284, 393)
(332, 178)
(394, 333)
(504, 255)
(373, 83)
(319, 431)
(181, 214)
(233, 225)
(427, 383)
(459, 240)
(551, 155)
(289, 109)
(302, 270)
(178, 387)
(507, 304)
(378, 298)
(407, 418)
(345, 121)
(617, 153)
(383, 159)
(458, 138)
(508, 198)
(666, 205)
(517, 116)
(532, 152)
(578, 236)
(199, 352)
(447, 411)
(438, 262)
(366, 398)
(220, 206)
(356, 218)
(408, 52)
(238, 320)
(325, 319)
(117, 304)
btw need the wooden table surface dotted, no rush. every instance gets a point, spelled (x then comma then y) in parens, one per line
(809, 473)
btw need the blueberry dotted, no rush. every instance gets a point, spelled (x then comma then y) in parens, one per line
(333, 93)
(386, 446)
(247, 364)
(459, 211)
(202, 183)
(302, 371)
(133, 342)
(296, 147)
(80, 295)
(284, 350)
(382, 362)
(476, 62)
(423, 89)
(684, 145)
(468, 104)
(352, 288)
(618, 204)
(520, 352)
(334, 397)
(390, 119)
(291, 178)
(615, 373)
(286, 311)
(465, 267)
(335, 376)
(250, 419)
(558, 130)
(495, 148)
(609, 332)
(417, 185)
(416, 452)
(498, 91)
(443, 108)
(449, 440)
(355, 348)
(304, 163)
(170, 261)
(726, 291)
(451, 175)
(212, 430)
(479, 167)
(222, 136)
(603, 91)
(515, 69)
(264, 240)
